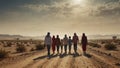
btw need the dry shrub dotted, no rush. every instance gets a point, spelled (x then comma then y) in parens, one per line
(3, 54)
(21, 48)
(95, 45)
(39, 46)
(110, 46)
(32, 49)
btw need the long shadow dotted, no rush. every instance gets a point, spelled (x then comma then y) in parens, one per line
(76, 54)
(63, 55)
(46, 56)
(41, 57)
(88, 55)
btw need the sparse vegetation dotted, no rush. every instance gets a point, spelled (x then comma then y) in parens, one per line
(3, 54)
(39, 47)
(95, 45)
(110, 46)
(32, 49)
(21, 48)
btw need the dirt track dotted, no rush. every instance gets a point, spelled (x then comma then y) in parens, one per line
(94, 59)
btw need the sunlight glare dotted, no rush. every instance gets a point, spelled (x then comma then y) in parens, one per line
(77, 1)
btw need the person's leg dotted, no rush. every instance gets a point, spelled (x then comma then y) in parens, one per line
(48, 47)
(75, 48)
(65, 48)
(58, 48)
(85, 49)
(53, 49)
(70, 49)
(61, 48)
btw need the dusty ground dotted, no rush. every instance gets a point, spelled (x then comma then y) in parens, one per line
(95, 58)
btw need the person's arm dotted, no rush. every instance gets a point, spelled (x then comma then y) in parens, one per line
(50, 41)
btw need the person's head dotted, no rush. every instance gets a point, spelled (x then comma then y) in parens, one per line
(75, 34)
(83, 34)
(65, 35)
(53, 36)
(69, 37)
(57, 36)
(48, 34)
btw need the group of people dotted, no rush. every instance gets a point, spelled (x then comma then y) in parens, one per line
(66, 42)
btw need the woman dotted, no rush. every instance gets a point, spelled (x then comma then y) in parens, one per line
(84, 42)
(53, 44)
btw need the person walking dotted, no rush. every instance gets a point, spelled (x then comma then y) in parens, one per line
(84, 43)
(58, 43)
(53, 44)
(61, 46)
(65, 42)
(48, 42)
(70, 44)
(75, 40)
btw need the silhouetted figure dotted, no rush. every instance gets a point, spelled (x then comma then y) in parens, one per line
(75, 42)
(48, 42)
(58, 43)
(53, 44)
(65, 42)
(70, 43)
(84, 42)
(62, 45)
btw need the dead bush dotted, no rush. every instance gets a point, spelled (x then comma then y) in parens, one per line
(110, 46)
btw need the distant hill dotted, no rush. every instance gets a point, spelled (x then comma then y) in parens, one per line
(13, 37)
(102, 36)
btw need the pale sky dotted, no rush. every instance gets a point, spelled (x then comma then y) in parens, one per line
(37, 17)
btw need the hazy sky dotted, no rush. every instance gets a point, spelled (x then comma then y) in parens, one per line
(36, 17)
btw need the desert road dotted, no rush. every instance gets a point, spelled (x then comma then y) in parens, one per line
(93, 59)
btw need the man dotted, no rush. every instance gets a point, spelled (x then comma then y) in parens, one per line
(65, 42)
(70, 44)
(48, 42)
(75, 42)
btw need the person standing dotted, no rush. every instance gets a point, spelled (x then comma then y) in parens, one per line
(75, 40)
(53, 44)
(84, 43)
(65, 42)
(70, 44)
(58, 43)
(48, 42)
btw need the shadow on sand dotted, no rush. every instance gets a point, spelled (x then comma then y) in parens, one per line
(46, 56)
(88, 55)
(60, 56)
(76, 54)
